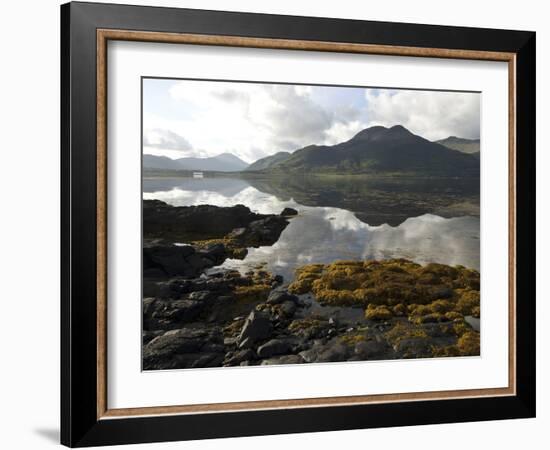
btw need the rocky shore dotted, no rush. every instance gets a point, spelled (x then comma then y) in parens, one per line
(196, 314)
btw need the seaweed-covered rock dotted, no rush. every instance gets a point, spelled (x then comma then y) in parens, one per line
(207, 222)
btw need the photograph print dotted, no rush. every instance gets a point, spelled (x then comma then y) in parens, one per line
(296, 224)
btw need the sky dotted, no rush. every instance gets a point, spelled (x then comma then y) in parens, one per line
(185, 118)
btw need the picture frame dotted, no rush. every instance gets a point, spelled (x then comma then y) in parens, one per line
(86, 418)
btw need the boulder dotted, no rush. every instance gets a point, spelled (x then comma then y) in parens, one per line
(240, 356)
(285, 359)
(274, 347)
(288, 309)
(372, 349)
(169, 314)
(257, 327)
(289, 212)
(201, 222)
(183, 348)
(279, 296)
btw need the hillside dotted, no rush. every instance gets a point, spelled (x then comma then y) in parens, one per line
(384, 150)
(460, 144)
(268, 161)
(224, 162)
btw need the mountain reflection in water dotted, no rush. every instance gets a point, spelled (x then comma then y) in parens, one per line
(441, 227)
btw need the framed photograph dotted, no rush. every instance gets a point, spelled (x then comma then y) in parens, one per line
(276, 224)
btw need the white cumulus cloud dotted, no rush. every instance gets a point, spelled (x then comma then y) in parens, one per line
(431, 114)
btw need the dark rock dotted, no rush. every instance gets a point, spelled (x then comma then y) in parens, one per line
(285, 359)
(174, 288)
(229, 341)
(206, 360)
(257, 326)
(154, 272)
(214, 252)
(289, 212)
(415, 348)
(148, 336)
(333, 353)
(237, 233)
(201, 296)
(288, 309)
(279, 296)
(370, 349)
(274, 347)
(245, 343)
(182, 348)
(240, 356)
(170, 314)
(188, 223)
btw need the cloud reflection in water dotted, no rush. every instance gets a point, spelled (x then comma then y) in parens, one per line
(325, 234)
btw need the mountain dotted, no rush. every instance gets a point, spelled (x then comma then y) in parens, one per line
(159, 162)
(269, 161)
(379, 149)
(460, 144)
(225, 162)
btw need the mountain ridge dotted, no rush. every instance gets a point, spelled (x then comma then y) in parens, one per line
(224, 162)
(378, 149)
(463, 145)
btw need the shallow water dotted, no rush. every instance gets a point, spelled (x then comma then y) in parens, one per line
(330, 231)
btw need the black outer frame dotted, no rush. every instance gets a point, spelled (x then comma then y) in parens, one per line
(79, 424)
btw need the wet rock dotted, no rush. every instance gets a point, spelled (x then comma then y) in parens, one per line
(289, 212)
(288, 309)
(279, 296)
(285, 359)
(257, 326)
(204, 222)
(169, 314)
(240, 356)
(214, 252)
(148, 336)
(183, 348)
(174, 288)
(370, 349)
(311, 354)
(172, 260)
(229, 341)
(274, 347)
(415, 348)
(201, 296)
(333, 353)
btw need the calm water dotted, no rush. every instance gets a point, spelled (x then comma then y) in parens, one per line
(418, 220)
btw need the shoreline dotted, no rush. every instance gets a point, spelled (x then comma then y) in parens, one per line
(198, 315)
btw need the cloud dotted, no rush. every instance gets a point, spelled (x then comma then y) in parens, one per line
(433, 115)
(165, 139)
(254, 120)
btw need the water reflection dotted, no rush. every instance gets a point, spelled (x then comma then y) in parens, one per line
(322, 234)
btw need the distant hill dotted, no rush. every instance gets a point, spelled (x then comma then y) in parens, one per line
(379, 149)
(460, 144)
(269, 161)
(225, 162)
(159, 162)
